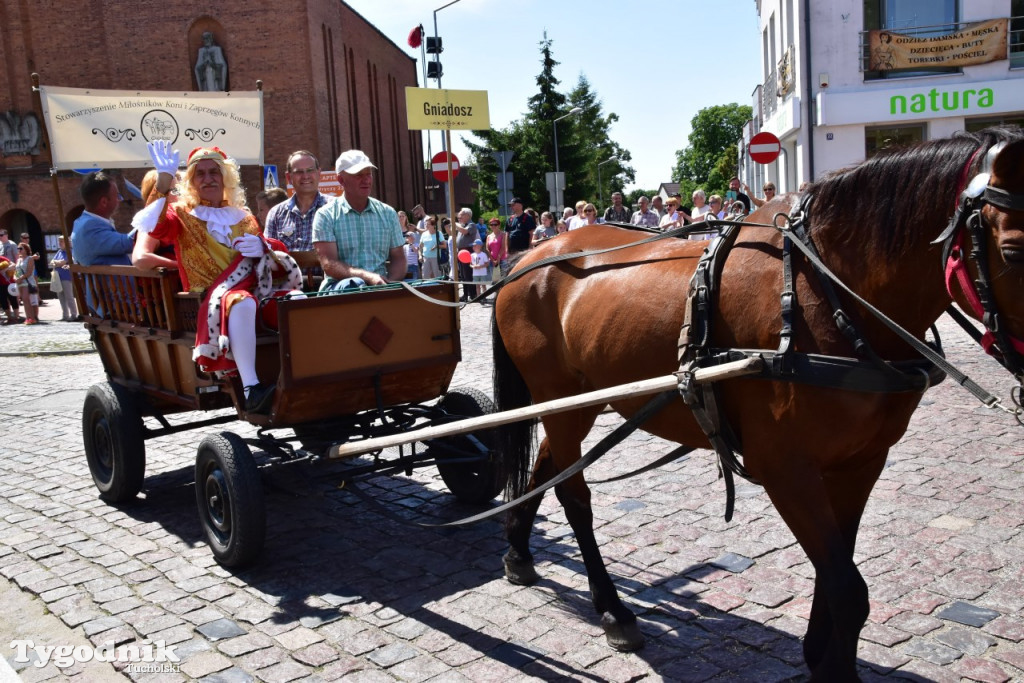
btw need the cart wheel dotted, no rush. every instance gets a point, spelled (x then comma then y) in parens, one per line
(230, 499)
(114, 447)
(470, 482)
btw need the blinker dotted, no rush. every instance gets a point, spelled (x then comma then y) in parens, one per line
(977, 185)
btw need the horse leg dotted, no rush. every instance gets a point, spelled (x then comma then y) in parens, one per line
(518, 560)
(618, 622)
(848, 492)
(823, 512)
(565, 434)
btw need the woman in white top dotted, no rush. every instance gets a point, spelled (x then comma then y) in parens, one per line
(700, 214)
(700, 209)
(674, 215)
(429, 248)
(715, 202)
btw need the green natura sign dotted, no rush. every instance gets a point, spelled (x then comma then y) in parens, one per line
(936, 100)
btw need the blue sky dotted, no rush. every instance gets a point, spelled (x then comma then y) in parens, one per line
(655, 63)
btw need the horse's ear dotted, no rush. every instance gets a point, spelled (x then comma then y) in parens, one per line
(1009, 161)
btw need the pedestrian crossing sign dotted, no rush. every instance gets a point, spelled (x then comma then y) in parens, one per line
(270, 177)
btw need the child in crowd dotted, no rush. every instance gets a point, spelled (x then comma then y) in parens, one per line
(479, 260)
(412, 257)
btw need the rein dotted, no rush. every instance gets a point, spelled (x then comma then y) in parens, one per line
(872, 375)
(547, 261)
(797, 238)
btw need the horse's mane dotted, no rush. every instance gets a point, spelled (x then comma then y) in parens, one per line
(887, 200)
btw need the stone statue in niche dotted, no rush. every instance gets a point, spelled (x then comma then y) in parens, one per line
(19, 134)
(211, 69)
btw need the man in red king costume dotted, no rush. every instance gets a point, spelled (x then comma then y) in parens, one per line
(218, 249)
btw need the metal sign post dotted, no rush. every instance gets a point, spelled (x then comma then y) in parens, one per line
(445, 110)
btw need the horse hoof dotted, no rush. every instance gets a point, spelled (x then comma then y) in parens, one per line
(519, 571)
(621, 637)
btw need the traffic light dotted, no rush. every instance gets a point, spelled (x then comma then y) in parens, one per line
(434, 47)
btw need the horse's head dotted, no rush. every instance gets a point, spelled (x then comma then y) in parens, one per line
(1004, 210)
(985, 271)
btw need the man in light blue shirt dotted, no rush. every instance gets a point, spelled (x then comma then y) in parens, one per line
(94, 239)
(358, 238)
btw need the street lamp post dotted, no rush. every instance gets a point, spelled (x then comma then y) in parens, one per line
(600, 189)
(437, 55)
(554, 126)
(449, 191)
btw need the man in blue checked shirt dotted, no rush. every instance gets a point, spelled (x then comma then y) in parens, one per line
(358, 238)
(291, 221)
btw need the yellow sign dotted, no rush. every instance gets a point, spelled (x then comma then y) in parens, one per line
(977, 43)
(429, 109)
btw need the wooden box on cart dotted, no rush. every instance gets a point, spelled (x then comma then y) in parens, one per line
(331, 355)
(351, 365)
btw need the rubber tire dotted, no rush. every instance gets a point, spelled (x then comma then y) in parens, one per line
(477, 482)
(229, 497)
(114, 446)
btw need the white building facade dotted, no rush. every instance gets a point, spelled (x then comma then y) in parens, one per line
(820, 97)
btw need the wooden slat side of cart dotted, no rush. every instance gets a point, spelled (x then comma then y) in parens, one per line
(144, 330)
(331, 355)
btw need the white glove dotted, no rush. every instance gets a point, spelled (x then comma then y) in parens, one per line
(165, 160)
(249, 245)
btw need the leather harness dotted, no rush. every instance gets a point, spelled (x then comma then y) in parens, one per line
(866, 373)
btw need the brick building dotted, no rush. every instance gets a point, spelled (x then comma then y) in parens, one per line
(331, 82)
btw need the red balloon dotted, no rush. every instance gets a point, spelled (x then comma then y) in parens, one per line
(464, 256)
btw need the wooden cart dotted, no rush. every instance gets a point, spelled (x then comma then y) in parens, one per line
(351, 366)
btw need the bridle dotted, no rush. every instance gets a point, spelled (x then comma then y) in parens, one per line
(968, 222)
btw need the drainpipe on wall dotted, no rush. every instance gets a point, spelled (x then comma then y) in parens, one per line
(810, 93)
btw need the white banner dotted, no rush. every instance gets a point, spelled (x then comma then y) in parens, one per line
(110, 128)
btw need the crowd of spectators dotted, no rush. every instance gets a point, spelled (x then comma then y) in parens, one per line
(501, 238)
(480, 249)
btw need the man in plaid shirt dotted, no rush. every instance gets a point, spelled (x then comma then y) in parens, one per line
(358, 238)
(291, 221)
(644, 217)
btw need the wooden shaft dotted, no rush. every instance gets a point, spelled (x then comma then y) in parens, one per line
(737, 368)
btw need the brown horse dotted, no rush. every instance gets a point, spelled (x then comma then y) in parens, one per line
(598, 321)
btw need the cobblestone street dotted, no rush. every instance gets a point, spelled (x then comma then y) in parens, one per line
(343, 591)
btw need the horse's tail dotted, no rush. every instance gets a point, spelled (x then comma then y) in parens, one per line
(516, 439)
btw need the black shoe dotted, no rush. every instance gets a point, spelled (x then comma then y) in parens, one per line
(260, 398)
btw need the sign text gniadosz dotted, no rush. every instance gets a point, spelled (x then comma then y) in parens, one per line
(429, 109)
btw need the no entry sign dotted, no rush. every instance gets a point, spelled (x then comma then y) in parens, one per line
(439, 166)
(764, 148)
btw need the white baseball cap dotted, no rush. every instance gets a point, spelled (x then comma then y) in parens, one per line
(353, 161)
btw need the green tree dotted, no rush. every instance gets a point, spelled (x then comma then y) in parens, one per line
(709, 160)
(548, 104)
(526, 139)
(513, 138)
(583, 140)
(591, 144)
